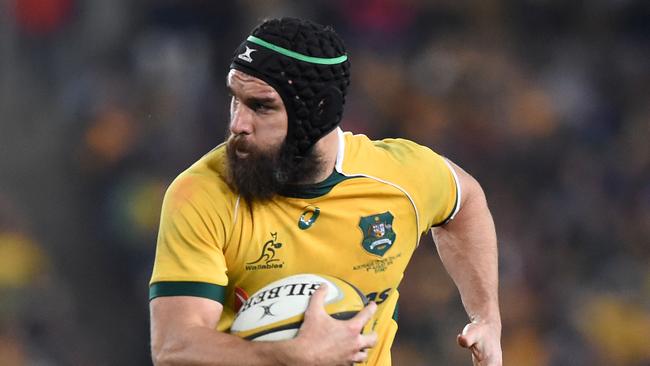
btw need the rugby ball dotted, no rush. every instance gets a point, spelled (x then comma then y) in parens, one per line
(276, 311)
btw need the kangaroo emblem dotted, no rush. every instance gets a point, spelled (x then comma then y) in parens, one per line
(268, 251)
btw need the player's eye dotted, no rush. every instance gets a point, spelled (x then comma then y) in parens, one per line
(260, 107)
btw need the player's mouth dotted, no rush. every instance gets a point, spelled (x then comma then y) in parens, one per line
(242, 154)
(239, 146)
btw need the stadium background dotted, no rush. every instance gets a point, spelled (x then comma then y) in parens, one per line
(546, 102)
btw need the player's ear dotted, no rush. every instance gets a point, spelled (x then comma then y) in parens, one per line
(328, 107)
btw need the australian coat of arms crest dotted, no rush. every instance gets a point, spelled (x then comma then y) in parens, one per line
(378, 234)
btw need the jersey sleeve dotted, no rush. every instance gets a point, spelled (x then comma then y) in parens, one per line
(447, 192)
(433, 185)
(189, 253)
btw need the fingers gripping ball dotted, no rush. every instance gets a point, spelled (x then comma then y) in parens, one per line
(276, 311)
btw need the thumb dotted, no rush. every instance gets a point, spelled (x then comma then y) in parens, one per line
(469, 336)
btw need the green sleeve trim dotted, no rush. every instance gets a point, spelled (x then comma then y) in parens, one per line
(396, 312)
(184, 288)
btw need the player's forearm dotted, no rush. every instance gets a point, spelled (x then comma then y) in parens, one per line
(204, 346)
(468, 249)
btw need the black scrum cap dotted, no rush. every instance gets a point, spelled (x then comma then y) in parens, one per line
(307, 64)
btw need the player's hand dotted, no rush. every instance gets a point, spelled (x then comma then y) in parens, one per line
(484, 340)
(328, 341)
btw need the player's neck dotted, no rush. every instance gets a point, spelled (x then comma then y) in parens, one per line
(327, 148)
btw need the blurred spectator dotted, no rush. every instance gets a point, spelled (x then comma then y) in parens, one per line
(40, 17)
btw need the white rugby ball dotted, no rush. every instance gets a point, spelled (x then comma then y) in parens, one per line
(276, 311)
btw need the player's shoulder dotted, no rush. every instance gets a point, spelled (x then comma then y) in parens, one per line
(402, 152)
(425, 176)
(203, 180)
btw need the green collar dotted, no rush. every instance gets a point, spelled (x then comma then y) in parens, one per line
(314, 190)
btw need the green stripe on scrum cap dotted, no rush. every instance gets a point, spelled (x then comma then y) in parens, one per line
(296, 55)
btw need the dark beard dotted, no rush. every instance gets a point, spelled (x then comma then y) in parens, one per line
(263, 174)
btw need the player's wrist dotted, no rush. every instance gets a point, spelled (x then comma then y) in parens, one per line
(487, 315)
(491, 321)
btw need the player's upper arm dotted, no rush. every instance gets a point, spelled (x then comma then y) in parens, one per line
(171, 315)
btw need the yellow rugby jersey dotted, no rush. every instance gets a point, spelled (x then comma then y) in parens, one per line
(361, 224)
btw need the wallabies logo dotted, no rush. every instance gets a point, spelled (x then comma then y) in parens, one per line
(267, 259)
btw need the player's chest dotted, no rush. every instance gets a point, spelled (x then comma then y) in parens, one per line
(362, 240)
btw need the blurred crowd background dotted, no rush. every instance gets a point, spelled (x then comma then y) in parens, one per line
(546, 102)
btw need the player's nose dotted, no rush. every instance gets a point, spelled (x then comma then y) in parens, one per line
(241, 121)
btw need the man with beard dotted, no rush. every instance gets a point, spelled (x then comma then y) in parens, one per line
(289, 193)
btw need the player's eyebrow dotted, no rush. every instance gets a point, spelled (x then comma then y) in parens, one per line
(256, 99)
(261, 100)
